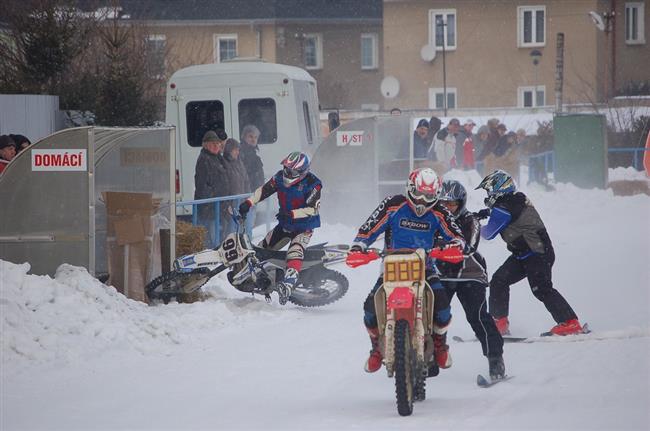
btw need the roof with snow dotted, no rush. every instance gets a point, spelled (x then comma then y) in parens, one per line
(278, 10)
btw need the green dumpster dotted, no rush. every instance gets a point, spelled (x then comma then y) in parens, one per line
(581, 149)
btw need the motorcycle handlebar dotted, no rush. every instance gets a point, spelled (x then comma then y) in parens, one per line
(359, 258)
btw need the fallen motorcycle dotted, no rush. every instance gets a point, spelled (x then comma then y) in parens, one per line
(404, 306)
(255, 270)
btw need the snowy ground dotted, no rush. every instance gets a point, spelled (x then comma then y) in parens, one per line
(76, 355)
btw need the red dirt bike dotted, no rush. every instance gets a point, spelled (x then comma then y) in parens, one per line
(404, 306)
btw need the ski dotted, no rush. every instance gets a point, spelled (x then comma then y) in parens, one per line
(506, 339)
(486, 383)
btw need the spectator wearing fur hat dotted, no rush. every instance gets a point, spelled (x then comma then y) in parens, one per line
(249, 154)
(7, 151)
(237, 179)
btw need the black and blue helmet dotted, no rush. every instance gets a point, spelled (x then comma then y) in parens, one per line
(497, 184)
(453, 191)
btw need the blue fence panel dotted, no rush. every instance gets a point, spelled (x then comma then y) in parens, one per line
(637, 157)
(539, 165)
(214, 225)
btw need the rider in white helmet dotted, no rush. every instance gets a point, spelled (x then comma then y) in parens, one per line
(412, 221)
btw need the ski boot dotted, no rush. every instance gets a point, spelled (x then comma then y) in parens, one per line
(373, 363)
(570, 327)
(285, 287)
(441, 350)
(497, 367)
(503, 325)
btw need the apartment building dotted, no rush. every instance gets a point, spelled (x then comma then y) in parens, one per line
(502, 53)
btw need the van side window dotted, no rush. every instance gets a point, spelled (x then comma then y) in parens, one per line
(260, 113)
(305, 111)
(201, 117)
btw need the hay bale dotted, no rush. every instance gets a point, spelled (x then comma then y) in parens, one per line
(630, 187)
(189, 238)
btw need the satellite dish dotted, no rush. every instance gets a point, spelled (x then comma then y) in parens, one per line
(428, 53)
(389, 87)
(598, 20)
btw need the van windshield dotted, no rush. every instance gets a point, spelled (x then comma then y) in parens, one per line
(201, 117)
(261, 114)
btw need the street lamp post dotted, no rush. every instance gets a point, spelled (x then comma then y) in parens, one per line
(536, 54)
(440, 22)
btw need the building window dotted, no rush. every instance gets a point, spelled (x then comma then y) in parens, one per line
(201, 117)
(369, 51)
(531, 26)
(155, 52)
(313, 51)
(225, 47)
(437, 98)
(262, 114)
(442, 28)
(531, 97)
(634, 25)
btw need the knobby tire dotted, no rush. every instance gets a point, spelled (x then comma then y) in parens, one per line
(404, 372)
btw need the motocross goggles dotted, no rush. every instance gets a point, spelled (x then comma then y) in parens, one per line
(291, 173)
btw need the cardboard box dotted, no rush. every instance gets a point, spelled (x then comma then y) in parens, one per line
(133, 242)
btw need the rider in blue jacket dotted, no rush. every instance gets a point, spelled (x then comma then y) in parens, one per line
(299, 194)
(513, 216)
(412, 221)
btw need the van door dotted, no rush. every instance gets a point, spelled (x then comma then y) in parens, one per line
(266, 108)
(199, 111)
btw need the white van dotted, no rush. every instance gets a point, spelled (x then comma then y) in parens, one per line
(280, 100)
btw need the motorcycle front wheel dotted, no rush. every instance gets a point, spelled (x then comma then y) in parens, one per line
(176, 284)
(319, 286)
(404, 371)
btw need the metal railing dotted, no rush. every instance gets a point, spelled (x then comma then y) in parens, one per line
(215, 222)
(539, 165)
(637, 158)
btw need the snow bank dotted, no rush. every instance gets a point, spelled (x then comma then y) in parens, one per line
(74, 315)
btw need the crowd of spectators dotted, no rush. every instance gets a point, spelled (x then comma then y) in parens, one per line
(10, 147)
(457, 146)
(226, 167)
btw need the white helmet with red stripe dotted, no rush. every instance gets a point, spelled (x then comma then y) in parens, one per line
(295, 167)
(423, 190)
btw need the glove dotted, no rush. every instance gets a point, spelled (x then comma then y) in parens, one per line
(244, 207)
(483, 214)
(358, 247)
(454, 243)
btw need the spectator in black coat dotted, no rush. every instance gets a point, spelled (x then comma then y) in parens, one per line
(249, 155)
(421, 140)
(211, 180)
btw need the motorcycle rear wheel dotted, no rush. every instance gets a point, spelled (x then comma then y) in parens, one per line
(405, 378)
(318, 287)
